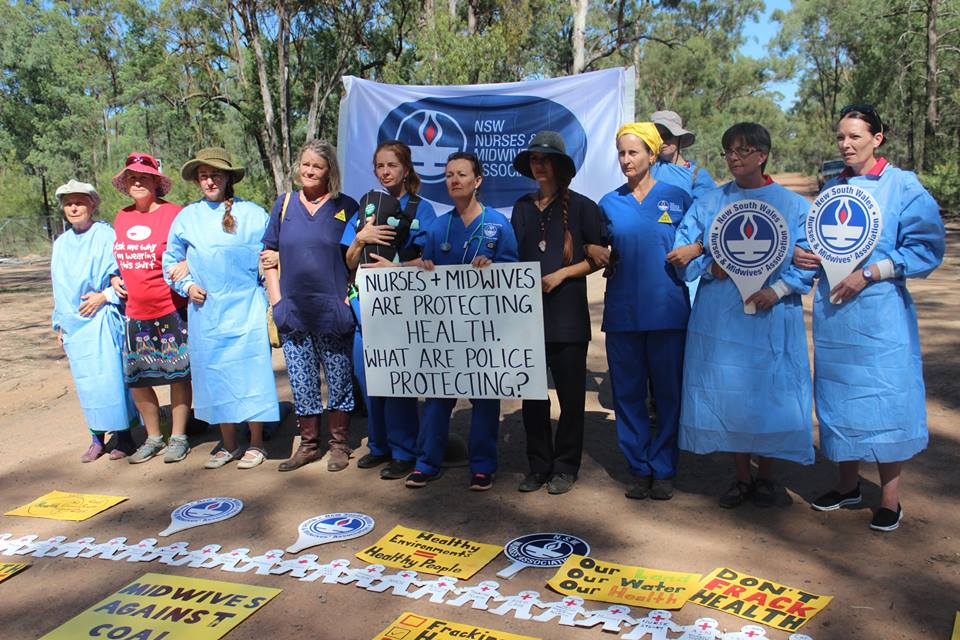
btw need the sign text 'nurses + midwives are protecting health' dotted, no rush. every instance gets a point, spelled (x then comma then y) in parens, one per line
(454, 332)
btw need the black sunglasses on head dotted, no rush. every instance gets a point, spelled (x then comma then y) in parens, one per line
(867, 110)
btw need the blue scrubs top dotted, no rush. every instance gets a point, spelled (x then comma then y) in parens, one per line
(490, 234)
(230, 360)
(83, 263)
(644, 293)
(313, 276)
(746, 378)
(695, 180)
(868, 382)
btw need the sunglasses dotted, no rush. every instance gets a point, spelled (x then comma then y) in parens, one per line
(867, 110)
(742, 152)
(147, 160)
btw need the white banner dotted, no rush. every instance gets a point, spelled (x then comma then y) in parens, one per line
(455, 332)
(494, 121)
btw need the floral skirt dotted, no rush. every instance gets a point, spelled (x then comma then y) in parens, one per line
(155, 351)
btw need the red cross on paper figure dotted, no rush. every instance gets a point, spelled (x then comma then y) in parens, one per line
(271, 556)
(614, 610)
(206, 551)
(141, 546)
(570, 603)
(234, 553)
(658, 618)
(303, 561)
(404, 575)
(526, 596)
(336, 565)
(751, 633)
(371, 569)
(705, 626)
(484, 588)
(442, 584)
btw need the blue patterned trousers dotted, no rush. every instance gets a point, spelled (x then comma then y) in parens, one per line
(305, 354)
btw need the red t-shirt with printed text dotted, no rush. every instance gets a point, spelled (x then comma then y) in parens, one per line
(141, 241)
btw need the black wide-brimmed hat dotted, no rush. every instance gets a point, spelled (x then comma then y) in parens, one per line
(549, 143)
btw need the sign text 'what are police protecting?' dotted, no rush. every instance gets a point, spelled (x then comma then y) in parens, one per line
(454, 332)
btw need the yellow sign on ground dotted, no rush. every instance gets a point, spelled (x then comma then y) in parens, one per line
(427, 552)
(759, 600)
(59, 505)
(956, 627)
(593, 579)
(162, 607)
(8, 569)
(410, 626)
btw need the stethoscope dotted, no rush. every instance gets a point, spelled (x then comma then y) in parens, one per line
(477, 235)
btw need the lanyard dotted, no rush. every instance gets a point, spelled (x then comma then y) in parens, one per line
(476, 235)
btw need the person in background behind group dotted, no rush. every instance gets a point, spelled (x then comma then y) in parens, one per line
(473, 234)
(307, 296)
(868, 373)
(155, 351)
(87, 321)
(220, 238)
(392, 423)
(671, 167)
(553, 224)
(746, 377)
(645, 312)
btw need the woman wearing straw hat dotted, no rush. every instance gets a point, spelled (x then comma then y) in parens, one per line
(220, 238)
(645, 312)
(87, 320)
(155, 336)
(552, 226)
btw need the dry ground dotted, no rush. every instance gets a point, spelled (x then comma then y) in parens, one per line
(886, 586)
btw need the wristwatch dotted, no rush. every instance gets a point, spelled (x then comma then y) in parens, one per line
(867, 274)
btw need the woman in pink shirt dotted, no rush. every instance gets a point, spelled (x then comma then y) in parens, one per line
(155, 344)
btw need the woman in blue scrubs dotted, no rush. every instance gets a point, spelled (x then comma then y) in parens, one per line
(392, 423)
(746, 377)
(220, 238)
(470, 233)
(645, 312)
(868, 373)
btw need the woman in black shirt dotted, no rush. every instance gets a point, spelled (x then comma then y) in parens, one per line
(552, 226)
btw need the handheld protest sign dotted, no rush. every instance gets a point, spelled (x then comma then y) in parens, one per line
(749, 239)
(843, 227)
(541, 550)
(329, 528)
(201, 512)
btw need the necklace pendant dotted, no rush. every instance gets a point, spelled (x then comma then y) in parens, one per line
(542, 245)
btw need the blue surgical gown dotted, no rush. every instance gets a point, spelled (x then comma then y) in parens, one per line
(868, 379)
(83, 263)
(229, 348)
(746, 378)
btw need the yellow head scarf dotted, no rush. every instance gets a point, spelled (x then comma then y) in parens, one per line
(646, 131)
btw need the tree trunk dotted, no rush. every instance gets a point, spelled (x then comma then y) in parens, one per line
(453, 9)
(283, 65)
(46, 205)
(578, 36)
(471, 17)
(930, 122)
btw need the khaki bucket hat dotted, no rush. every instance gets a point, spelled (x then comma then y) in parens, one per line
(214, 157)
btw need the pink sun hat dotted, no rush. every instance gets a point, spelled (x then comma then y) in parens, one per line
(142, 163)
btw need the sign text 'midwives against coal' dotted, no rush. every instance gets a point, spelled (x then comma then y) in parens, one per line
(454, 332)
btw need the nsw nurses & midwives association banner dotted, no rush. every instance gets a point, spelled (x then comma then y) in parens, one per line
(494, 121)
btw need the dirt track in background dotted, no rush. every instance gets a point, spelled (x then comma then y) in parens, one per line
(885, 586)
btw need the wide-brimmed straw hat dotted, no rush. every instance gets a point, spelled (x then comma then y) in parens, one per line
(670, 120)
(75, 186)
(142, 163)
(549, 143)
(215, 157)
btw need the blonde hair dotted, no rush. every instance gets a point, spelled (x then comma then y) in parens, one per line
(326, 151)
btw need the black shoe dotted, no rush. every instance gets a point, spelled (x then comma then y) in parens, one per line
(561, 483)
(397, 469)
(886, 520)
(764, 493)
(833, 500)
(370, 461)
(640, 490)
(737, 494)
(419, 479)
(662, 489)
(481, 482)
(532, 482)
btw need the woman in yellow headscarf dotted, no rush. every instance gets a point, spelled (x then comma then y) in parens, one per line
(645, 312)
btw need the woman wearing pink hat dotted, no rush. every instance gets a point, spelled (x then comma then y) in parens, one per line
(155, 337)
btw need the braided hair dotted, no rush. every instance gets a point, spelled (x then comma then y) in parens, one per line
(229, 221)
(567, 236)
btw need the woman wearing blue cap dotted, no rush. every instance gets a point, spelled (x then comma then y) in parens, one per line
(645, 312)
(868, 373)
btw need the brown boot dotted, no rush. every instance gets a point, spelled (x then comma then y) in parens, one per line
(309, 449)
(339, 424)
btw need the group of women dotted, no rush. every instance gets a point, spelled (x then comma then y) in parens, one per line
(720, 379)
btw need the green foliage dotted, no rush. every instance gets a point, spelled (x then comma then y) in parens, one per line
(943, 182)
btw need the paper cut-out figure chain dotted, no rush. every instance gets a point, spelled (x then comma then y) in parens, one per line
(363, 577)
(399, 583)
(611, 617)
(436, 589)
(330, 572)
(656, 624)
(520, 604)
(478, 595)
(567, 610)
(702, 629)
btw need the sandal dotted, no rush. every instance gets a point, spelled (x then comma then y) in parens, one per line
(252, 457)
(738, 492)
(219, 459)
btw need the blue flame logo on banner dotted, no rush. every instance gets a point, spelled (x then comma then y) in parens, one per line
(494, 121)
(201, 512)
(495, 128)
(749, 239)
(541, 550)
